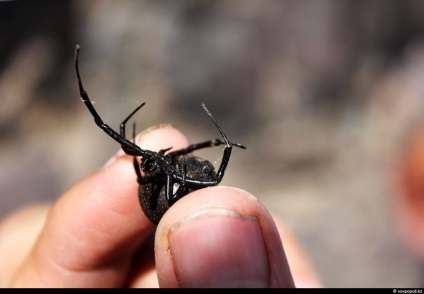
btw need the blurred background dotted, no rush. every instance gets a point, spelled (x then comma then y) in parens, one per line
(328, 97)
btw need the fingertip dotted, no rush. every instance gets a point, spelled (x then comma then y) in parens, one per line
(153, 139)
(196, 243)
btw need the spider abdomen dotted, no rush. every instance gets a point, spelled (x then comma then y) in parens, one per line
(152, 195)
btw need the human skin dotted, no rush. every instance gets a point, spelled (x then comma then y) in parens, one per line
(96, 235)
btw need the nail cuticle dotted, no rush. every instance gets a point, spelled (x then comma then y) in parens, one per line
(210, 213)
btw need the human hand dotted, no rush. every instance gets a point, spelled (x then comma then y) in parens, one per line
(96, 235)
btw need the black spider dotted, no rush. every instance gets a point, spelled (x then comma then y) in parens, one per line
(168, 176)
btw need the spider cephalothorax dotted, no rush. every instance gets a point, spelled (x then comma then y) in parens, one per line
(165, 176)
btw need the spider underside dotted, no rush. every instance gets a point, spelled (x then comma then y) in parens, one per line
(166, 176)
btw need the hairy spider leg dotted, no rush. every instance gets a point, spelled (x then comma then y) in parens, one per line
(206, 144)
(126, 145)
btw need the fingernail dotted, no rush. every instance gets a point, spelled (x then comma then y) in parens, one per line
(219, 248)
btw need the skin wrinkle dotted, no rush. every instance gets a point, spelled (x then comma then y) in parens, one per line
(83, 243)
(77, 242)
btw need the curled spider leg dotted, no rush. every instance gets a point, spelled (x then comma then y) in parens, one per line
(227, 149)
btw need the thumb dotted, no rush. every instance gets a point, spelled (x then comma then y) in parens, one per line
(220, 237)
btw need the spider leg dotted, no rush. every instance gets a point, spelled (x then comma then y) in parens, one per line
(125, 144)
(162, 151)
(122, 130)
(206, 144)
(227, 149)
(123, 123)
(168, 188)
(140, 178)
(216, 142)
(170, 196)
(182, 186)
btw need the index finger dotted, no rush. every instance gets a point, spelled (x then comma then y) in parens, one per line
(94, 229)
